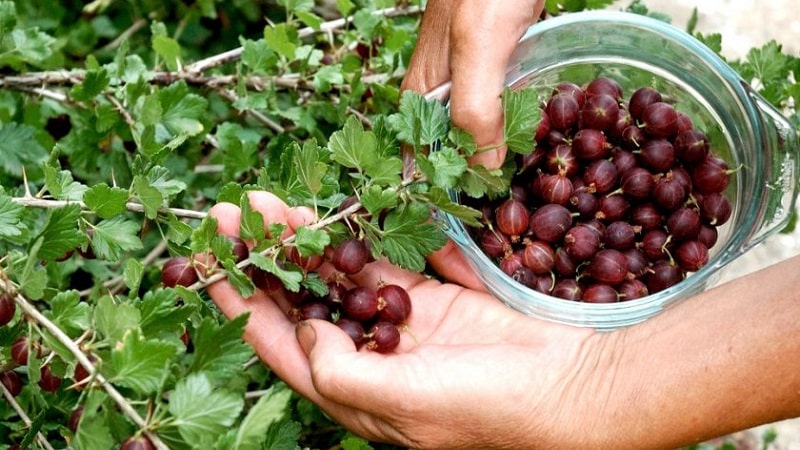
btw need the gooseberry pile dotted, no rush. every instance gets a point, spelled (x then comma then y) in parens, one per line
(621, 198)
(373, 316)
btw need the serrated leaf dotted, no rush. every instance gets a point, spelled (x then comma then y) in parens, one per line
(69, 312)
(442, 201)
(283, 436)
(114, 236)
(160, 178)
(183, 110)
(448, 166)
(160, 315)
(419, 121)
(132, 275)
(376, 199)
(32, 46)
(177, 230)
(291, 279)
(409, 236)
(310, 168)
(204, 234)
(60, 233)
(113, 320)
(10, 216)
(94, 82)
(61, 185)
(238, 279)
(479, 181)
(355, 443)
(106, 201)
(19, 148)
(522, 116)
(354, 147)
(168, 49)
(251, 225)
(219, 348)
(270, 408)
(148, 196)
(200, 411)
(311, 242)
(281, 39)
(138, 363)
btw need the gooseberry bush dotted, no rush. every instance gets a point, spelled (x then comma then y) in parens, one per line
(122, 123)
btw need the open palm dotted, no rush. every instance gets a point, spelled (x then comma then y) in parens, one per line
(460, 351)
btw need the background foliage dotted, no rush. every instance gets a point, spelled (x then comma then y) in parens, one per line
(121, 122)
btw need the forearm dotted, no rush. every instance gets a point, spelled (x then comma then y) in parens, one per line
(726, 360)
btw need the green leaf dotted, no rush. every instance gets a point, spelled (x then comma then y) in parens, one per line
(61, 185)
(19, 148)
(283, 435)
(281, 39)
(113, 320)
(522, 117)
(251, 224)
(94, 82)
(140, 364)
(10, 216)
(311, 242)
(160, 178)
(220, 351)
(409, 236)
(448, 167)
(354, 147)
(355, 443)
(32, 45)
(310, 168)
(271, 408)
(132, 275)
(766, 63)
(204, 234)
(114, 236)
(376, 199)
(238, 279)
(160, 315)
(8, 17)
(200, 411)
(479, 181)
(70, 313)
(291, 279)
(148, 196)
(441, 200)
(177, 231)
(168, 49)
(183, 110)
(419, 121)
(60, 233)
(106, 201)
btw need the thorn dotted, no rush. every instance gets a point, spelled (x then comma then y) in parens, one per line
(25, 181)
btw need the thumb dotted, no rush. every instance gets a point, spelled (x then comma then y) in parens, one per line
(320, 338)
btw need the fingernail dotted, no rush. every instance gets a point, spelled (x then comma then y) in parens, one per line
(306, 336)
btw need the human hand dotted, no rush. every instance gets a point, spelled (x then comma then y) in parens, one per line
(469, 372)
(469, 43)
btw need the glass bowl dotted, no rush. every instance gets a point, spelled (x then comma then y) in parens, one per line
(743, 128)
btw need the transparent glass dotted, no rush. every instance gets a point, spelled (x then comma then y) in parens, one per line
(743, 128)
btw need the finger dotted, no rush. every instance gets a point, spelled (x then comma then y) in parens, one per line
(228, 218)
(483, 36)
(450, 263)
(430, 64)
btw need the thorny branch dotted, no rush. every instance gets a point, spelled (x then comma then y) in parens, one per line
(192, 74)
(84, 361)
